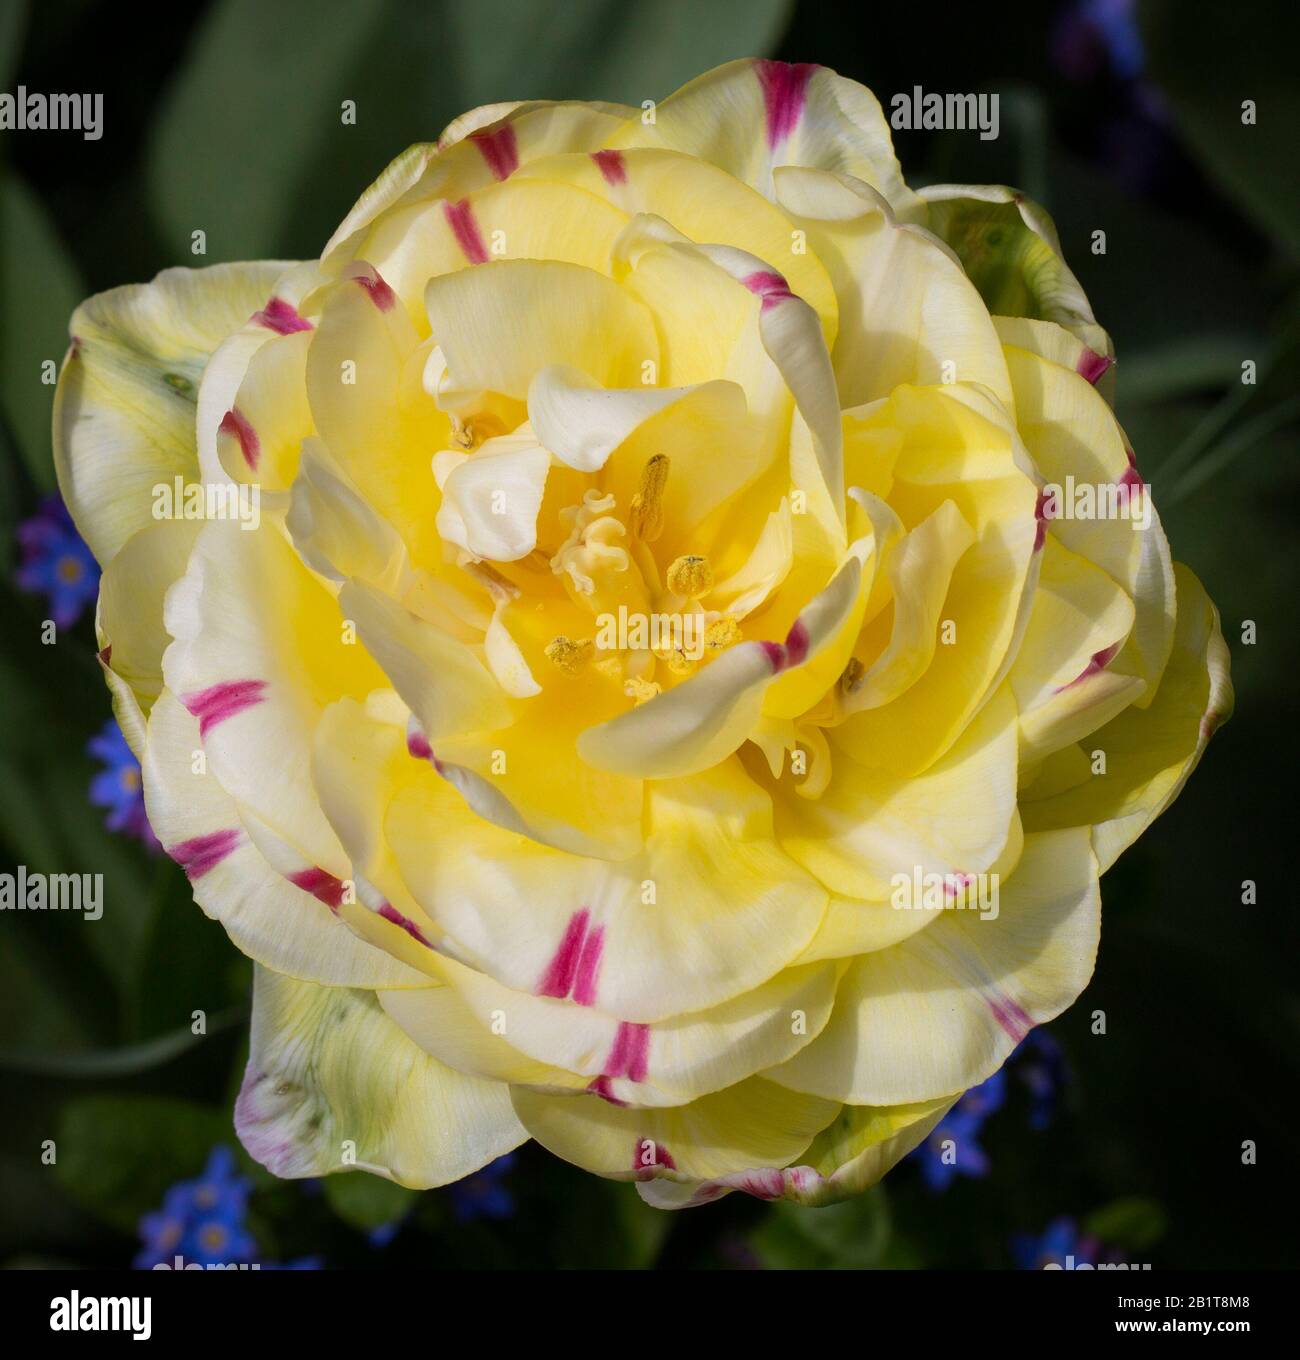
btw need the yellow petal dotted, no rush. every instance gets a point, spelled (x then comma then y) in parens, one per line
(1149, 754)
(124, 411)
(270, 919)
(941, 1011)
(753, 1124)
(333, 1084)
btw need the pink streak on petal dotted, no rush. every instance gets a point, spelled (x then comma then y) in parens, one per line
(630, 1053)
(460, 218)
(107, 654)
(587, 976)
(558, 977)
(219, 702)
(1040, 530)
(638, 1052)
(1011, 1017)
(761, 1182)
(601, 1087)
(320, 884)
(1096, 663)
(769, 286)
(234, 423)
(499, 149)
(1132, 479)
(1092, 365)
(418, 745)
(612, 165)
(390, 913)
(775, 655)
(281, 317)
(796, 643)
(792, 652)
(662, 1157)
(202, 853)
(378, 291)
(784, 89)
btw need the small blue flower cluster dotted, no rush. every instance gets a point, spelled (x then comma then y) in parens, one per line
(202, 1223)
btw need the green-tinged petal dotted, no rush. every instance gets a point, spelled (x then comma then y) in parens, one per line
(844, 1159)
(1010, 250)
(1149, 753)
(333, 1084)
(124, 412)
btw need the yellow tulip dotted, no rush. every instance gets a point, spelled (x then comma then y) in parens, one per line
(652, 709)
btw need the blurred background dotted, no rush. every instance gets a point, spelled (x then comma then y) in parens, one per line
(1117, 116)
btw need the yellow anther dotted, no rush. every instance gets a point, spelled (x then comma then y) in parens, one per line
(569, 656)
(640, 690)
(690, 577)
(721, 634)
(679, 663)
(647, 513)
(851, 675)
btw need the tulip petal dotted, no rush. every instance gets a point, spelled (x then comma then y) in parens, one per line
(749, 117)
(1149, 753)
(259, 649)
(942, 1011)
(124, 409)
(752, 1124)
(267, 917)
(908, 313)
(332, 1084)
(709, 909)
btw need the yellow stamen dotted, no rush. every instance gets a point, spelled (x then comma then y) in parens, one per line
(691, 577)
(569, 656)
(640, 690)
(679, 663)
(647, 513)
(721, 634)
(852, 674)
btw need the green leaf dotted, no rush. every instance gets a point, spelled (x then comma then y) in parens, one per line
(852, 1235)
(602, 49)
(126, 1061)
(1181, 367)
(260, 92)
(117, 1155)
(643, 1230)
(39, 288)
(13, 25)
(251, 146)
(366, 1201)
(1209, 58)
(1133, 1224)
